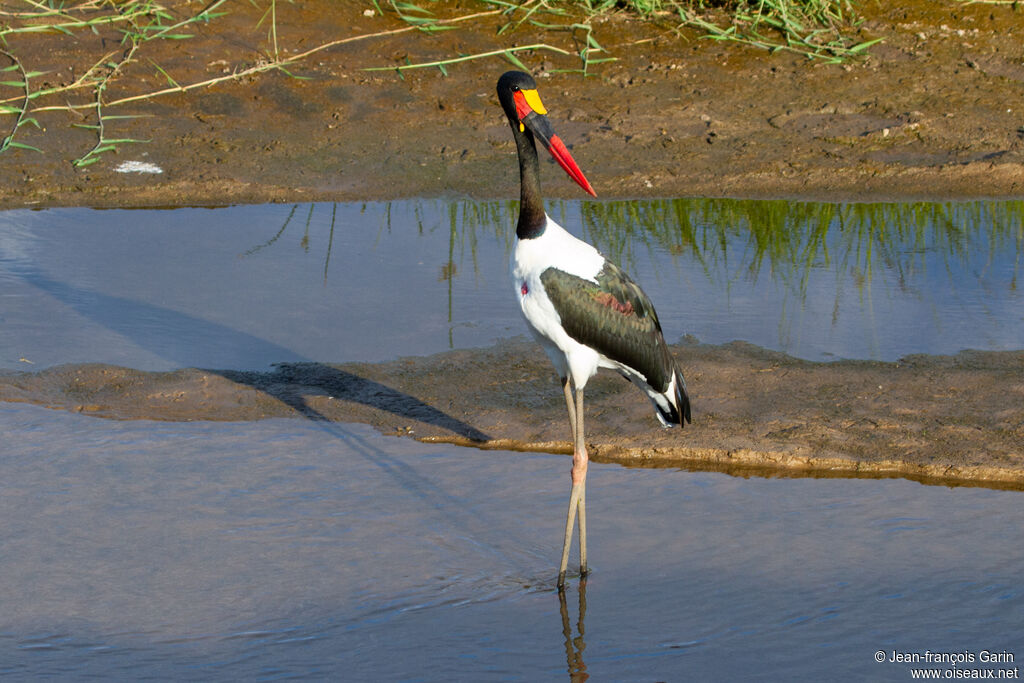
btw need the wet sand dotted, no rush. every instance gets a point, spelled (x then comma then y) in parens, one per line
(935, 419)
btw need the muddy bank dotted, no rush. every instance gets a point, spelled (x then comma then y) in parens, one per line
(933, 112)
(938, 419)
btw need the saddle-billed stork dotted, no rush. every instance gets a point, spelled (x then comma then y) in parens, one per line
(585, 312)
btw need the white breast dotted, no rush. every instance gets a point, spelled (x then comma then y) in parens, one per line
(555, 248)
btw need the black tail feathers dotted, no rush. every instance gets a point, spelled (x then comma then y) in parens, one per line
(679, 405)
(682, 400)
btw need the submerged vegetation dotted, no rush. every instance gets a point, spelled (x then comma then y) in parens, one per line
(123, 33)
(872, 252)
(738, 239)
(793, 239)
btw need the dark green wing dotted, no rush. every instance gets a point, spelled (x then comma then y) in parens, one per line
(613, 316)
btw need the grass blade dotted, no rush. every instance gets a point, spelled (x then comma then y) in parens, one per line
(22, 145)
(511, 56)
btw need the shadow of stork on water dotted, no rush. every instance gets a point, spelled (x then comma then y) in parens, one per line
(187, 341)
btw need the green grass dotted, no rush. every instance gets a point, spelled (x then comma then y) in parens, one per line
(817, 29)
(19, 112)
(137, 21)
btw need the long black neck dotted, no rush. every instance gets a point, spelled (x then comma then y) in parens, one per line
(531, 206)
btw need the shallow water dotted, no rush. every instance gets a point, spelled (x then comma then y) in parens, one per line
(287, 548)
(291, 548)
(246, 286)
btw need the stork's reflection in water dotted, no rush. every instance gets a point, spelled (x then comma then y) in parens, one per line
(574, 646)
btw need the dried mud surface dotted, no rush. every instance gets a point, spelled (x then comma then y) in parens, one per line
(936, 111)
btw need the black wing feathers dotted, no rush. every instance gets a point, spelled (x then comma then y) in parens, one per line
(615, 317)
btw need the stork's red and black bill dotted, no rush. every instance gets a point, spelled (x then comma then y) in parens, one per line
(531, 114)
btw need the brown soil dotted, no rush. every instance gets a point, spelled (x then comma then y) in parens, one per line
(936, 111)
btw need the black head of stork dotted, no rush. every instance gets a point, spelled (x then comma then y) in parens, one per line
(517, 93)
(583, 309)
